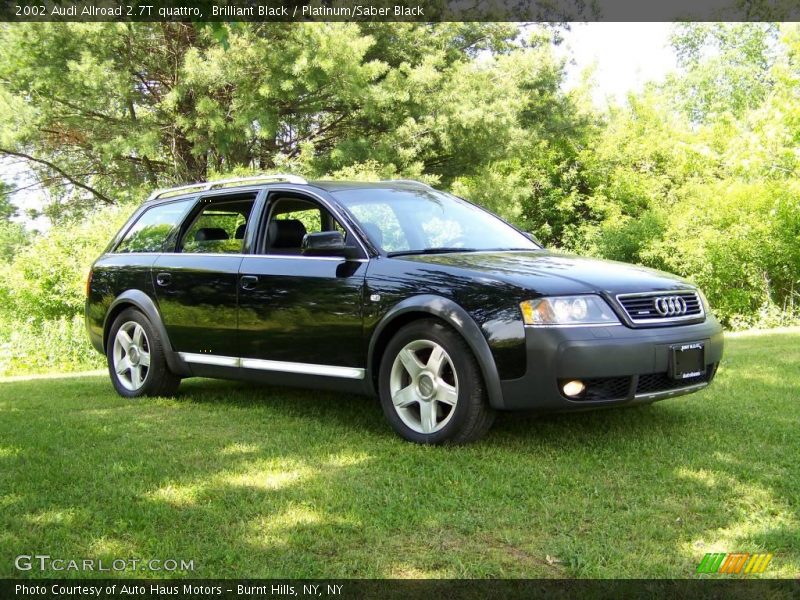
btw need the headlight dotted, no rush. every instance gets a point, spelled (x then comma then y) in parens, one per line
(567, 310)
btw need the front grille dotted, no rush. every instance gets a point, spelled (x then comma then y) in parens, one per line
(661, 307)
(661, 382)
(602, 388)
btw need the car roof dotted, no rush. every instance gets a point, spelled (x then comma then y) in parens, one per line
(249, 185)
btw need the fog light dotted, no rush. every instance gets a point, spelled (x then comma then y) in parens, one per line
(573, 388)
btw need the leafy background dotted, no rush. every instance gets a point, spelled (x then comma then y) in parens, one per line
(696, 174)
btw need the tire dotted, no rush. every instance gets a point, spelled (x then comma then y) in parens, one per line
(136, 361)
(431, 388)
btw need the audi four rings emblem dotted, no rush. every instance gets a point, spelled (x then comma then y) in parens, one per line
(670, 306)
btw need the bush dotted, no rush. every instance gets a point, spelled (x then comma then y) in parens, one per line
(42, 293)
(46, 280)
(55, 346)
(626, 238)
(741, 243)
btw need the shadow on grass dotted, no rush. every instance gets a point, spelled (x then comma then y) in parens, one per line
(268, 482)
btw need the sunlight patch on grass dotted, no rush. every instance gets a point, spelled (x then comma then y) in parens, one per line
(9, 451)
(707, 478)
(177, 495)
(259, 476)
(52, 517)
(268, 481)
(347, 459)
(279, 529)
(239, 448)
(107, 546)
(7, 500)
(408, 571)
(294, 516)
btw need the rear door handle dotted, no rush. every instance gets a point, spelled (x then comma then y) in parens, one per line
(248, 282)
(163, 279)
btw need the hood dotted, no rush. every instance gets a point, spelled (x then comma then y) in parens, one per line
(550, 273)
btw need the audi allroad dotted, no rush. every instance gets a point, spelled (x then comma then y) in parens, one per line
(392, 289)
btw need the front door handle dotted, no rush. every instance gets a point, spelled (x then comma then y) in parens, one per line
(248, 282)
(163, 279)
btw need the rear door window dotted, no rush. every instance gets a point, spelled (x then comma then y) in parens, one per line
(152, 229)
(219, 228)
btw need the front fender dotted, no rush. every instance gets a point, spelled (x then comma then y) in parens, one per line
(456, 317)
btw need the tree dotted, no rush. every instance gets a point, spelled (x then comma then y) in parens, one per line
(101, 111)
(725, 67)
(7, 208)
(12, 235)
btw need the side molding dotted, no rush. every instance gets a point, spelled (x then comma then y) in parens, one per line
(461, 321)
(145, 304)
(280, 366)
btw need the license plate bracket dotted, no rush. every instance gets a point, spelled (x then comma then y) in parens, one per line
(687, 360)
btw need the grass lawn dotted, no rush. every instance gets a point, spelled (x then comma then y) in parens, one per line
(262, 482)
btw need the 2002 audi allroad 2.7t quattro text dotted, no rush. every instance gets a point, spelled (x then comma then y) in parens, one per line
(443, 310)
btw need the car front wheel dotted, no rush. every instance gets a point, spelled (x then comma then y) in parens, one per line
(431, 386)
(136, 360)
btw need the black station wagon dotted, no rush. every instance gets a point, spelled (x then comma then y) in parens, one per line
(394, 289)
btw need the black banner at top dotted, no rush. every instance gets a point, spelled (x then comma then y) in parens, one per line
(399, 10)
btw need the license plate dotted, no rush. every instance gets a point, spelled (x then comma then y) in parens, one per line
(687, 360)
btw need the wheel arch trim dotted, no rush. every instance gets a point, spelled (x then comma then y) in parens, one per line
(140, 300)
(455, 316)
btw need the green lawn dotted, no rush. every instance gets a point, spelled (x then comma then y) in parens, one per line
(260, 482)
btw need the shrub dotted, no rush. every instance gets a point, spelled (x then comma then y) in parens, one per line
(46, 280)
(739, 242)
(57, 346)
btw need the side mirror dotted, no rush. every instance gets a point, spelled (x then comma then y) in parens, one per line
(532, 238)
(326, 243)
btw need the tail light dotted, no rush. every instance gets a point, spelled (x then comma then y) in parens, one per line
(89, 283)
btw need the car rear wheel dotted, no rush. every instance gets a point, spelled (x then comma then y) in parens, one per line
(431, 386)
(136, 360)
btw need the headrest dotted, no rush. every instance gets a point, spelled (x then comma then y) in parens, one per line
(286, 233)
(207, 234)
(239, 235)
(374, 232)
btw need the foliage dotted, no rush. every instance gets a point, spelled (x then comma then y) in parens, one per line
(742, 263)
(13, 236)
(46, 280)
(111, 109)
(7, 208)
(726, 67)
(52, 346)
(709, 194)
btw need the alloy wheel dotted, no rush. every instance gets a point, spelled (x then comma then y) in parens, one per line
(424, 386)
(131, 355)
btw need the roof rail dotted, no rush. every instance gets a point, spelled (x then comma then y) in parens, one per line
(205, 186)
(412, 181)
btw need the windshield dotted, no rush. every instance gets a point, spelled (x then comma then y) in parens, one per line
(419, 221)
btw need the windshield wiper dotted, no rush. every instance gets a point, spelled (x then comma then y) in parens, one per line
(439, 250)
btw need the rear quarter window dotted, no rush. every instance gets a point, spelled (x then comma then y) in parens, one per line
(150, 231)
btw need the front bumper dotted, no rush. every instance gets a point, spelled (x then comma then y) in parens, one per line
(620, 365)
